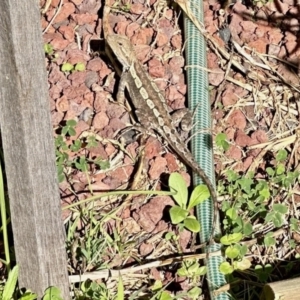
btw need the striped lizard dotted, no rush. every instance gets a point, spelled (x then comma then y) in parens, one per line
(150, 106)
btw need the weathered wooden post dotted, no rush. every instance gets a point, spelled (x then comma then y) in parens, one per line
(29, 150)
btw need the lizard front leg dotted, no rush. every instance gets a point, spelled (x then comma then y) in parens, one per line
(143, 119)
(121, 89)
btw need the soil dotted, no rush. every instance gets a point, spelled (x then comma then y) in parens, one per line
(256, 107)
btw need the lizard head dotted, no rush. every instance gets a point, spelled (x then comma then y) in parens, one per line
(122, 49)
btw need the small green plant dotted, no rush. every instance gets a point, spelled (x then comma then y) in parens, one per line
(52, 293)
(69, 128)
(180, 213)
(172, 237)
(235, 253)
(191, 269)
(159, 291)
(81, 164)
(48, 49)
(252, 205)
(294, 224)
(252, 198)
(80, 67)
(99, 291)
(260, 3)
(122, 7)
(91, 141)
(11, 283)
(263, 273)
(9, 290)
(50, 53)
(68, 68)
(221, 141)
(4, 217)
(64, 148)
(194, 293)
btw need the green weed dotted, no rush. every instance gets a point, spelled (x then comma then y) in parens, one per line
(78, 161)
(180, 213)
(248, 201)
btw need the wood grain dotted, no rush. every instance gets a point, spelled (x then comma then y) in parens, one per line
(29, 150)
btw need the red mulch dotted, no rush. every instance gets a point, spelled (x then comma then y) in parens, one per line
(248, 117)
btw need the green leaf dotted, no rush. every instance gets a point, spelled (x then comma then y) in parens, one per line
(232, 252)
(75, 146)
(263, 272)
(157, 285)
(294, 224)
(165, 296)
(231, 238)
(247, 228)
(28, 296)
(232, 213)
(71, 123)
(269, 239)
(202, 271)
(243, 250)
(177, 214)
(103, 164)
(61, 177)
(225, 205)
(281, 208)
(87, 254)
(192, 224)
(195, 292)
(52, 293)
(242, 265)
(278, 219)
(245, 184)
(120, 289)
(72, 131)
(231, 176)
(53, 290)
(265, 193)
(225, 268)
(193, 267)
(177, 183)
(239, 225)
(289, 179)
(67, 67)
(169, 236)
(69, 128)
(58, 141)
(48, 49)
(182, 272)
(11, 283)
(292, 244)
(280, 169)
(250, 174)
(281, 155)
(199, 194)
(269, 217)
(81, 164)
(221, 141)
(270, 171)
(92, 142)
(80, 67)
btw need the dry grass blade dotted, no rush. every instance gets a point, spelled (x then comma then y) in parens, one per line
(116, 273)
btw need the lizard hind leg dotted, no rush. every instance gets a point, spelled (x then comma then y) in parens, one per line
(182, 119)
(132, 132)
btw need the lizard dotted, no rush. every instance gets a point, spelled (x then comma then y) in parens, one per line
(151, 108)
